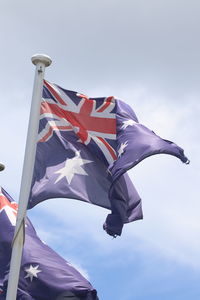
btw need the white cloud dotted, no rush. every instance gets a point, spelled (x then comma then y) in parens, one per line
(78, 266)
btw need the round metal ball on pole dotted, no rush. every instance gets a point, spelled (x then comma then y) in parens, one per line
(2, 167)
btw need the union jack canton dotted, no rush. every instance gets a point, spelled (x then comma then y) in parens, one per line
(92, 120)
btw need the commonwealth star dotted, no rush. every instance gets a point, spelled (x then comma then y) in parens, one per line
(73, 166)
(32, 272)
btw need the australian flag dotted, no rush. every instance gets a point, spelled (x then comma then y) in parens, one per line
(85, 146)
(44, 275)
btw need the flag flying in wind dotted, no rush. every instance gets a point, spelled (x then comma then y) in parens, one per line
(85, 146)
(44, 275)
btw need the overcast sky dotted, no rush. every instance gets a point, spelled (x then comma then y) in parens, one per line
(146, 53)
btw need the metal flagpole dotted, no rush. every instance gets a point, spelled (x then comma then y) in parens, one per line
(40, 61)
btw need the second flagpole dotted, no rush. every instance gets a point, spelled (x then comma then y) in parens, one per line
(40, 61)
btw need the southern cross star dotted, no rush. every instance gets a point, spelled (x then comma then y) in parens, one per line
(72, 166)
(32, 272)
(122, 147)
(127, 123)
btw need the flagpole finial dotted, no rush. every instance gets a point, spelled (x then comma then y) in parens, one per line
(42, 58)
(2, 167)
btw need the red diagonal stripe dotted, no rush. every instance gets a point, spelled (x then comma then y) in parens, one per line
(106, 104)
(5, 202)
(110, 149)
(54, 93)
(49, 133)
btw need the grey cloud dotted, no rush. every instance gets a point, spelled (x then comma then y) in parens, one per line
(154, 43)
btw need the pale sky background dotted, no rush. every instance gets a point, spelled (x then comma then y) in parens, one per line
(146, 53)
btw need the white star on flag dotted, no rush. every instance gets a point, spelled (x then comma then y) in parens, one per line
(72, 166)
(122, 147)
(127, 123)
(32, 272)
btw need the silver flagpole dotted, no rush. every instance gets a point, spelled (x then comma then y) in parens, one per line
(40, 61)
